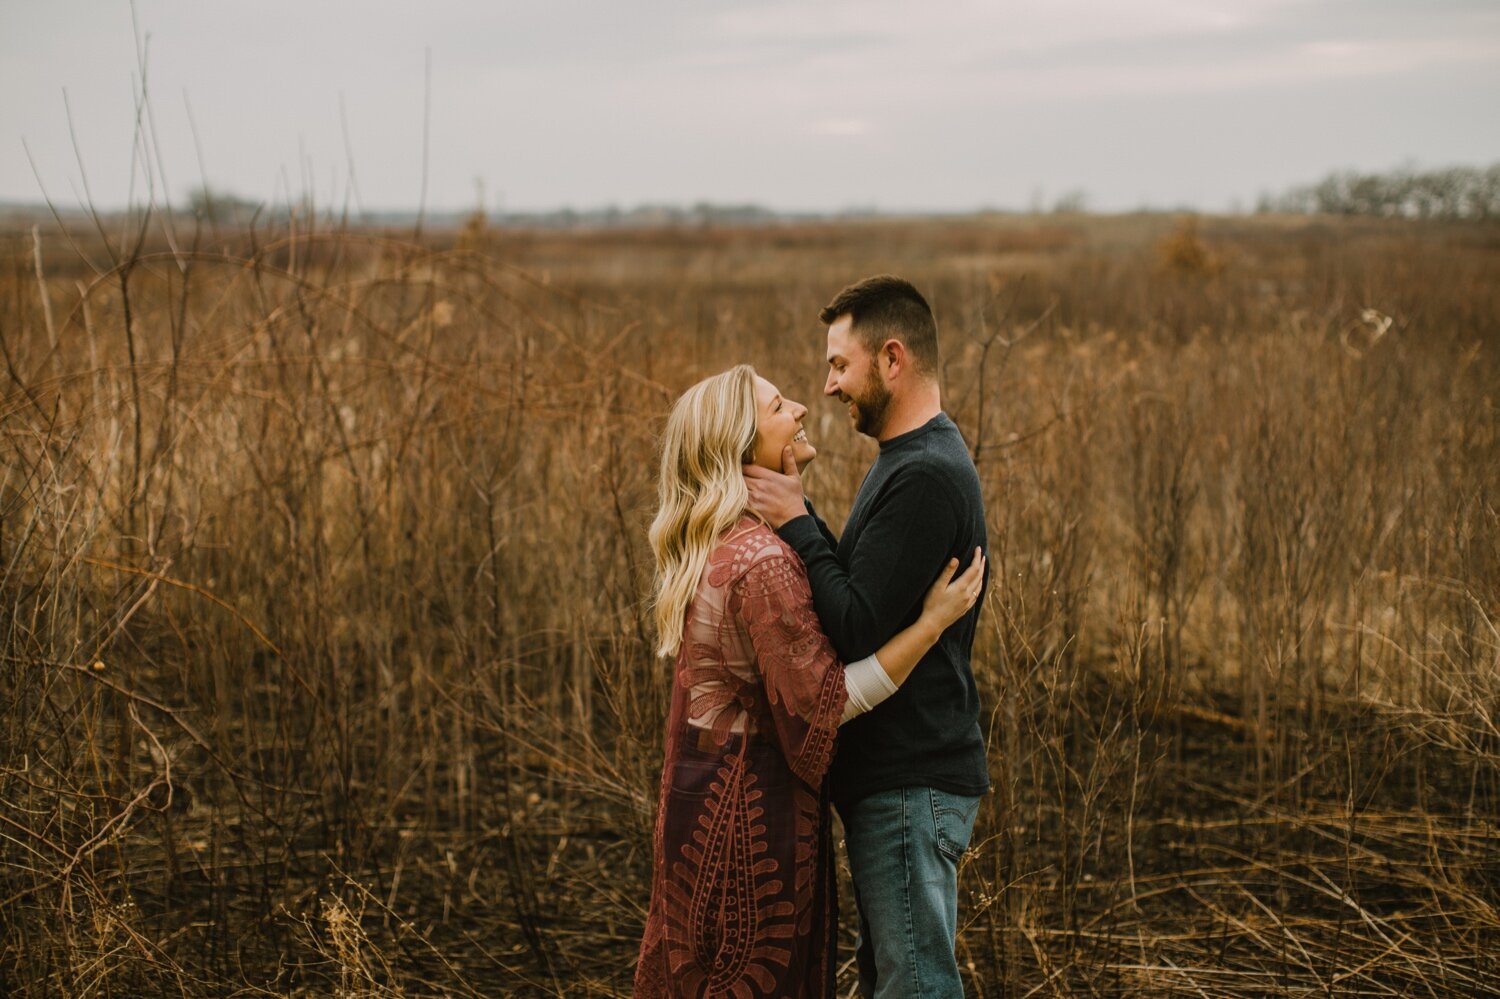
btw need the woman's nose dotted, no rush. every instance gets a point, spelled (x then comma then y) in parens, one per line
(798, 411)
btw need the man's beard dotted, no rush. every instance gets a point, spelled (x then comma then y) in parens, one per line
(871, 404)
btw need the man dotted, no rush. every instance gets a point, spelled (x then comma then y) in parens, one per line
(908, 775)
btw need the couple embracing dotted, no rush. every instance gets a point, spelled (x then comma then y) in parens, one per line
(812, 669)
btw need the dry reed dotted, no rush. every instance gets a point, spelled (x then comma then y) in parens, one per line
(322, 567)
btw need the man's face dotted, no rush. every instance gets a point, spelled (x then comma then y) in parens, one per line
(855, 379)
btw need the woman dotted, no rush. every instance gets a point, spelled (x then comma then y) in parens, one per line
(742, 896)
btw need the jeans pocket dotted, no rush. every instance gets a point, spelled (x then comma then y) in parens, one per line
(694, 778)
(953, 820)
(698, 765)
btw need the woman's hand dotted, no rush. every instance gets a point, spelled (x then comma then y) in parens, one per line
(947, 601)
(950, 598)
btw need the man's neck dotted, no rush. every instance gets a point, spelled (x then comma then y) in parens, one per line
(906, 415)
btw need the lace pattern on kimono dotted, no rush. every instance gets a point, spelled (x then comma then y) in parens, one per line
(737, 905)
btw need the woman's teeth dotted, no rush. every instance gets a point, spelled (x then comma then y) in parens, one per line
(800, 435)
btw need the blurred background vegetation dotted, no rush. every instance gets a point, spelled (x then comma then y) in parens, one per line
(322, 577)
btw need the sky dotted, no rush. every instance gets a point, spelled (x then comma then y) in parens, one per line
(944, 105)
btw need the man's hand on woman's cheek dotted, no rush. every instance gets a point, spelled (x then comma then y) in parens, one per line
(776, 496)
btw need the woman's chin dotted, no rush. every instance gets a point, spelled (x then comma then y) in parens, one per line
(804, 453)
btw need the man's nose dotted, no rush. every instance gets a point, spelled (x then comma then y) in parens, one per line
(831, 386)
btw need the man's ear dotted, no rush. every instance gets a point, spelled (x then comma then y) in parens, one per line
(896, 360)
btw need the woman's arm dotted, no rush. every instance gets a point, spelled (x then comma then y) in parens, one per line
(805, 682)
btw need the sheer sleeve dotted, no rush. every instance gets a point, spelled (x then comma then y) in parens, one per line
(803, 678)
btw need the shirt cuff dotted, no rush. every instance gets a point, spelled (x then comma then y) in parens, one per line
(866, 684)
(801, 531)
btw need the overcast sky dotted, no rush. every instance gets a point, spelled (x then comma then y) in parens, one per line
(894, 104)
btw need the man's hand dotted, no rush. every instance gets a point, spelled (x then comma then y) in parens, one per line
(776, 496)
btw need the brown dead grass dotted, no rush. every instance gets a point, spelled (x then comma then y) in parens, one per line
(322, 571)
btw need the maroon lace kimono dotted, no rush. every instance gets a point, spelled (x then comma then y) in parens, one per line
(743, 902)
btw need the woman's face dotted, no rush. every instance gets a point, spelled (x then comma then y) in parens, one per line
(780, 424)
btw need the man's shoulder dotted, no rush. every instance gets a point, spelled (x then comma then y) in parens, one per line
(936, 473)
(937, 457)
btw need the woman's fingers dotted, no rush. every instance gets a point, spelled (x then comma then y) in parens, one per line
(972, 579)
(946, 576)
(954, 593)
(973, 576)
(942, 594)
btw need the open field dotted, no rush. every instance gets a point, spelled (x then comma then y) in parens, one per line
(324, 665)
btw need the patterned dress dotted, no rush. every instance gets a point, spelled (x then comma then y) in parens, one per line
(743, 902)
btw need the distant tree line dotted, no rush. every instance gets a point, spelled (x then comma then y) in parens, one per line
(221, 207)
(1450, 193)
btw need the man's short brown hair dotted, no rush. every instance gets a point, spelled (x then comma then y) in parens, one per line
(884, 308)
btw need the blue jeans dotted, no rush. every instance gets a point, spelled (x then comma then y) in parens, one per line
(904, 847)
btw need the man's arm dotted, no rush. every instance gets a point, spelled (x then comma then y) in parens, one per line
(906, 540)
(778, 496)
(812, 511)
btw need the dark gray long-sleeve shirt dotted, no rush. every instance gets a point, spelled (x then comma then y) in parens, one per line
(919, 505)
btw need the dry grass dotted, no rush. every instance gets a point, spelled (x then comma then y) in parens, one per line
(325, 665)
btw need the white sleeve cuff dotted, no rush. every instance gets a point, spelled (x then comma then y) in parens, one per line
(866, 684)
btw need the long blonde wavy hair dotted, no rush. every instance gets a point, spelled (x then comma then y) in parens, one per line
(701, 489)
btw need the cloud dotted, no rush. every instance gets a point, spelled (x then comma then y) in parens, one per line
(588, 100)
(841, 127)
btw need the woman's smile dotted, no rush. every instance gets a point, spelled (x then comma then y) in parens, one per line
(778, 426)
